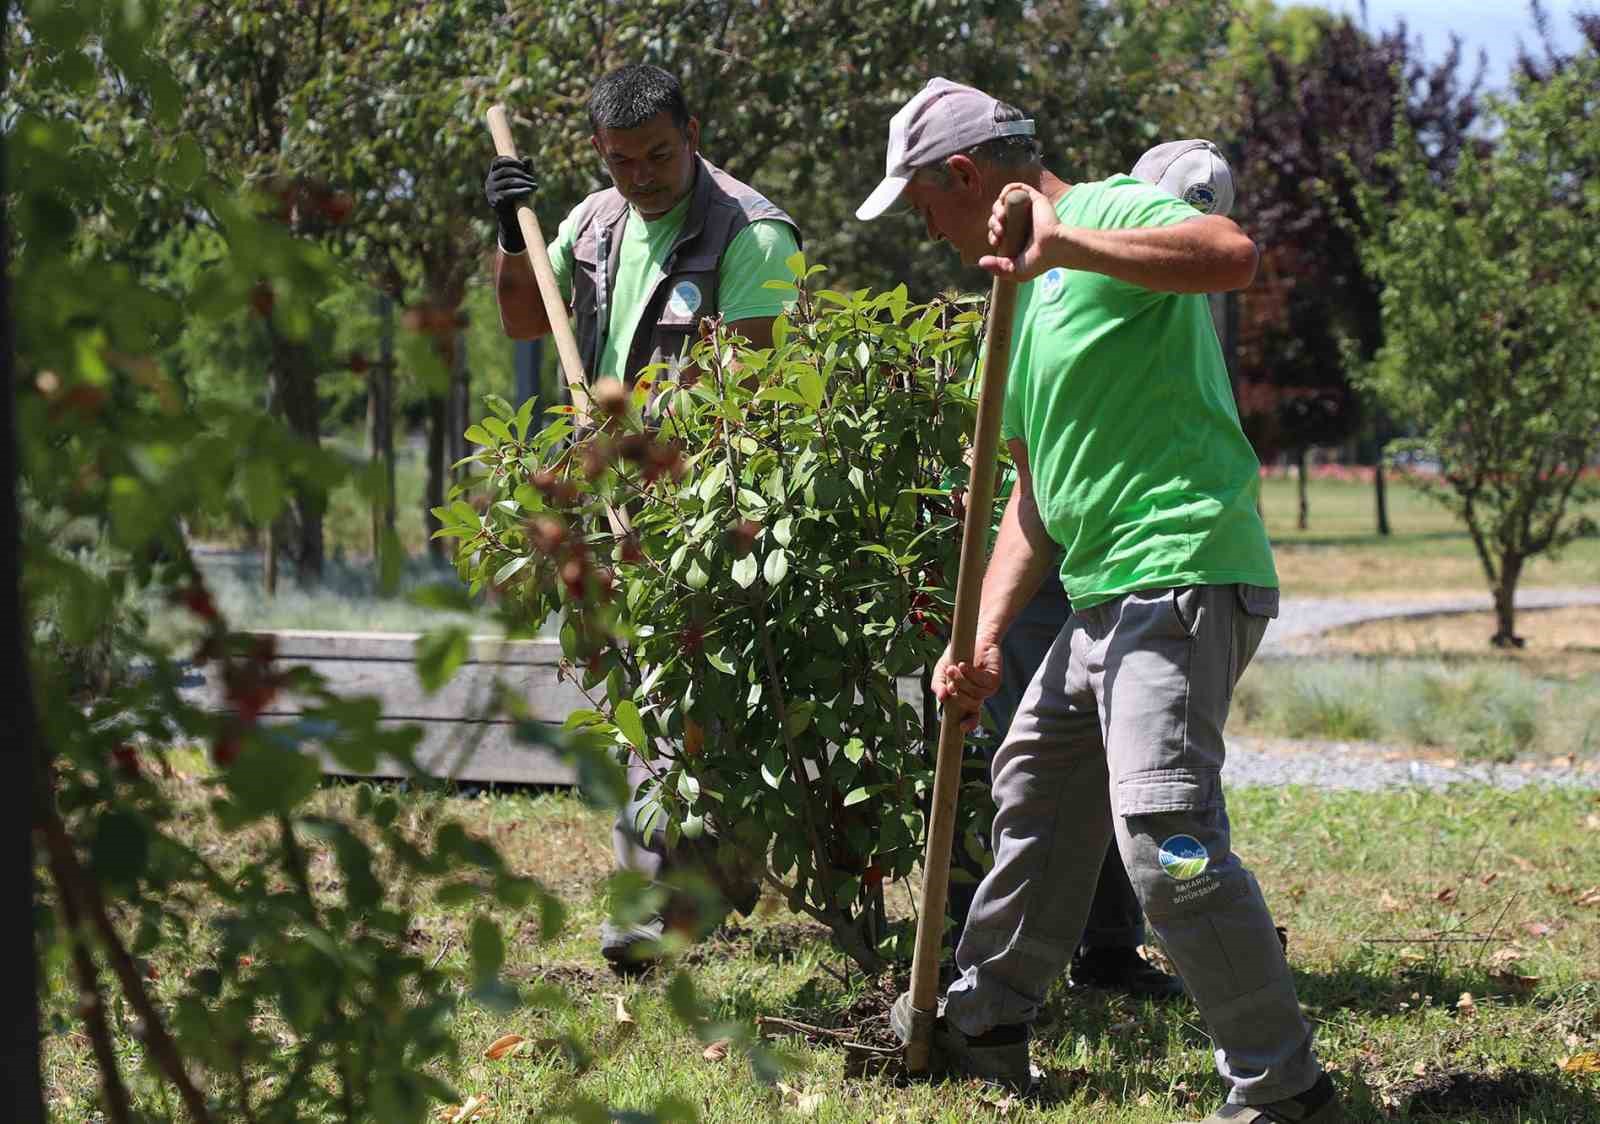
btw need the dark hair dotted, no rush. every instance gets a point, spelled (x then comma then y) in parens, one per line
(631, 95)
(1018, 152)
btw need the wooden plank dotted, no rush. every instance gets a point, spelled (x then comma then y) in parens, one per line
(466, 697)
(381, 664)
(471, 751)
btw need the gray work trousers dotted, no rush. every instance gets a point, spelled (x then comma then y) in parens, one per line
(738, 882)
(1120, 736)
(1115, 920)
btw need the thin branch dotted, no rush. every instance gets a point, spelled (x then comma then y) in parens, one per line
(94, 1006)
(160, 1043)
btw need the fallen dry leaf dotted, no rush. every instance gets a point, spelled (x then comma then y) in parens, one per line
(1489, 879)
(1504, 958)
(716, 1051)
(1520, 862)
(503, 1045)
(623, 1016)
(1514, 981)
(1465, 1004)
(1592, 821)
(472, 1108)
(1588, 897)
(1446, 895)
(1587, 1062)
(805, 1103)
(1389, 903)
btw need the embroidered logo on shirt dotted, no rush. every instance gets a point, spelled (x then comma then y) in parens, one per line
(685, 299)
(1183, 858)
(1050, 283)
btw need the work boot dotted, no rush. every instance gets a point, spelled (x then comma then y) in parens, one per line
(998, 1056)
(632, 948)
(1317, 1105)
(1124, 970)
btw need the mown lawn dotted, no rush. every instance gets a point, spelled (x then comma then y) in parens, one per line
(1448, 946)
(1427, 551)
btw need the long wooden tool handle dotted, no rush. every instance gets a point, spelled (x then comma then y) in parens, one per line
(555, 308)
(963, 631)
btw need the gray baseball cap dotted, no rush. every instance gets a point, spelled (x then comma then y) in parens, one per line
(1194, 170)
(942, 119)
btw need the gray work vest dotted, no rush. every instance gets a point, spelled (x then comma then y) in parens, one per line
(719, 208)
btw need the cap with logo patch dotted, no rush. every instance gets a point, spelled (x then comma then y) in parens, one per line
(942, 119)
(1193, 170)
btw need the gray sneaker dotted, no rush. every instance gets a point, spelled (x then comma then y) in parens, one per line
(632, 948)
(1317, 1105)
(999, 1056)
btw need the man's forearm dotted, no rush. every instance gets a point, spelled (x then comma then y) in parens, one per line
(1209, 254)
(1023, 555)
(516, 290)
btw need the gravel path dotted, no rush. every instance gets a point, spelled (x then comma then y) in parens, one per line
(1301, 618)
(1368, 767)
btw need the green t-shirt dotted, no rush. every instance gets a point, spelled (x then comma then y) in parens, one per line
(756, 254)
(1121, 397)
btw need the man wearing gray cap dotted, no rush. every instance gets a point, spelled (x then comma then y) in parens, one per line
(1135, 482)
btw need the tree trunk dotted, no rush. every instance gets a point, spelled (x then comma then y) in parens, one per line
(21, 1003)
(434, 497)
(1303, 520)
(1505, 602)
(1380, 495)
(269, 558)
(380, 421)
(460, 395)
(294, 393)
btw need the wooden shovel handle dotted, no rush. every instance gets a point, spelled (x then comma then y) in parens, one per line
(555, 308)
(963, 632)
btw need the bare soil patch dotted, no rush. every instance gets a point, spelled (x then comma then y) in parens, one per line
(1562, 643)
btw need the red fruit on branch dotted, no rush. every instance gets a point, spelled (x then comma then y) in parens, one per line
(547, 533)
(225, 750)
(126, 759)
(262, 299)
(610, 396)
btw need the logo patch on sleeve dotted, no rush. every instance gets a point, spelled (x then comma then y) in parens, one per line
(1183, 858)
(1200, 196)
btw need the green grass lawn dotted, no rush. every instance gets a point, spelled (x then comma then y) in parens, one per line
(1397, 906)
(1428, 551)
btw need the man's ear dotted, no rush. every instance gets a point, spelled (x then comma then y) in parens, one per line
(594, 143)
(964, 173)
(691, 132)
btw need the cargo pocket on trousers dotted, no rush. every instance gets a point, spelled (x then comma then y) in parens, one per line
(1259, 604)
(1158, 791)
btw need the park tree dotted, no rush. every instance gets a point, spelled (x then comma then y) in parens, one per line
(1491, 344)
(1319, 114)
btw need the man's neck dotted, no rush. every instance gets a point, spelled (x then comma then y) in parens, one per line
(1053, 186)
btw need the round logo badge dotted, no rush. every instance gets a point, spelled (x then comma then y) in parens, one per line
(1183, 858)
(1050, 283)
(685, 299)
(1200, 196)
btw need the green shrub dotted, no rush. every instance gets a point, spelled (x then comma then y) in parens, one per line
(791, 556)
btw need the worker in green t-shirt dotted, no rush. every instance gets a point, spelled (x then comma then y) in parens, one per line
(674, 239)
(1135, 484)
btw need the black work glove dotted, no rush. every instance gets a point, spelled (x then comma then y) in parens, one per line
(510, 185)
